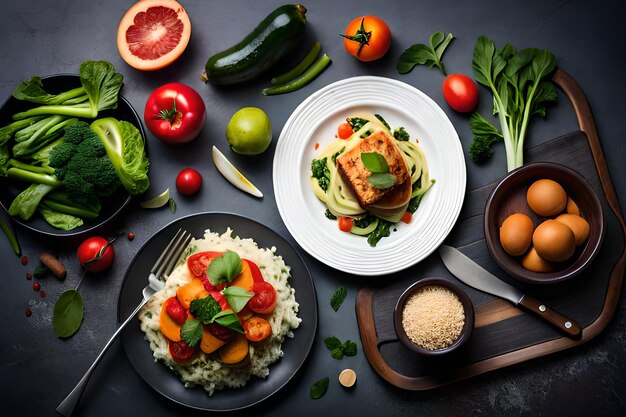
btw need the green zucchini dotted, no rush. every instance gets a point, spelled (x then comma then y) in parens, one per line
(271, 40)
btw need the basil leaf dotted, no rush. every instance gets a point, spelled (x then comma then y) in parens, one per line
(382, 180)
(191, 332)
(68, 313)
(332, 342)
(349, 348)
(237, 297)
(224, 268)
(319, 388)
(425, 54)
(338, 297)
(374, 162)
(228, 319)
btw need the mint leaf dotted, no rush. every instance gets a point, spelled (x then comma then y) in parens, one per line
(374, 162)
(68, 313)
(237, 297)
(381, 180)
(338, 297)
(332, 342)
(205, 309)
(224, 268)
(191, 332)
(338, 349)
(349, 348)
(337, 353)
(228, 319)
(319, 388)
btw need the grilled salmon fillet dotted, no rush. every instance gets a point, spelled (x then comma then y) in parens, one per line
(355, 174)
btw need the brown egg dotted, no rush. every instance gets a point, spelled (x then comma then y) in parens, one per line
(572, 207)
(533, 262)
(546, 198)
(554, 241)
(579, 226)
(516, 234)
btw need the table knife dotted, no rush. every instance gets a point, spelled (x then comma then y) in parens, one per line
(477, 277)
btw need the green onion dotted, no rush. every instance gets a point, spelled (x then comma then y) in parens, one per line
(11, 237)
(300, 68)
(313, 71)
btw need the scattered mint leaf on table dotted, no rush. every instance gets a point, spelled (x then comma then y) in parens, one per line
(338, 297)
(319, 388)
(68, 313)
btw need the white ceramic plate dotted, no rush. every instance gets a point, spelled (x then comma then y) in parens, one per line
(314, 123)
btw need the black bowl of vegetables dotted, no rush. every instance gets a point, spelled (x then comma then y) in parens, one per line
(59, 212)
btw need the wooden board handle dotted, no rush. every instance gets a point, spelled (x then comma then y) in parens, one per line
(566, 325)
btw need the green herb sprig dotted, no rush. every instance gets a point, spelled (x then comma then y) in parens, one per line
(380, 178)
(430, 55)
(339, 349)
(338, 297)
(224, 268)
(319, 388)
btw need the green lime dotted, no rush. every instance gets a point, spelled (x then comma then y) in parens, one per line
(249, 131)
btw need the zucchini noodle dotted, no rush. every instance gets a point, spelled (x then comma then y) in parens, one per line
(329, 186)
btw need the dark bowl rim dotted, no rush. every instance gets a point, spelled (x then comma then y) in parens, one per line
(98, 224)
(546, 278)
(468, 308)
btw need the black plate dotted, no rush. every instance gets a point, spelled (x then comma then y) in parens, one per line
(111, 206)
(159, 376)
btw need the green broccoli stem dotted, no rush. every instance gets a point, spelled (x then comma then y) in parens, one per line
(30, 168)
(72, 209)
(33, 177)
(83, 110)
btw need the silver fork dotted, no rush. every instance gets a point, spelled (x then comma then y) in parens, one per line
(162, 267)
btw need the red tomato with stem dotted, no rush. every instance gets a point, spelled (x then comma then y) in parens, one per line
(461, 92)
(175, 113)
(345, 223)
(257, 329)
(367, 38)
(90, 257)
(264, 299)
(344, 131)
(181, 351)
(188, 181)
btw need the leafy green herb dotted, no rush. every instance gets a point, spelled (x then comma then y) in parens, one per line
(356, 122)
(11, 237)
(224, 268)
(204, 309)
(374, 162)
(338, 297)
(365, 134)
(68, 313)
(425, 54)
(382, 180)
(191, 332)
(319, 171)
(172, 204)
(237, 297)
(381, 231)
(330, 215)
(364, 221)
(319, 388)
(401, 134)
(148, 314)
(336, 154)
(383, 121)
(519, 83)
(339, 349)
(228, 319)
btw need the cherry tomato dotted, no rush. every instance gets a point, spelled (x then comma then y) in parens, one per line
(88, 254)
(367, 38)
(407, 217)
(199, 262)
(345, 223)
(219, 331)
(344, 131)
(181, 351)
(257, 329)
(175, 310)
(188, 181)
(264, 299)
(257, 276)
(460, 92)
(174, 113)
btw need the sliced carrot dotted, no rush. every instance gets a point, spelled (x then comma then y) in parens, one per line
(192, 290)
(209, 343)
(235, 351)
(169, 328)
(244, 280)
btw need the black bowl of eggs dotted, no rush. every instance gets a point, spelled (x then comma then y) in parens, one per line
(543, 223)
(433, 317)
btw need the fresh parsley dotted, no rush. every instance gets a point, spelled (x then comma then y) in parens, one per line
(401, 134)
(338, 297)
(320, 171)
(191, 332)
(380, 178)
(224, 268)
(319, 388)
(381, 231)
(425, 54)
(237, 297)
(339, 349)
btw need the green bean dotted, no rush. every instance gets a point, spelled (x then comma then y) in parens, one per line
(298, 69)
(313, 71)
(11, 237)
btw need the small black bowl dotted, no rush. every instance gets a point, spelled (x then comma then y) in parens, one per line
(111, 206)
(468, 309)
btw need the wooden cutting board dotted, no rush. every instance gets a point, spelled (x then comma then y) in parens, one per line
(503, 334)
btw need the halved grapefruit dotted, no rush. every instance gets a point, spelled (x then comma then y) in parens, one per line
(153, 33)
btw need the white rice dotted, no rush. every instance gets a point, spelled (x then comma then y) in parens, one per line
(206, 370)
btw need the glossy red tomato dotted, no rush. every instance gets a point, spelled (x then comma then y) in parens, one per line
(264, 299)
(188, 181)
(257, 329)
(174, 113)
(367, 38)
(344, 131)
(460, 92)
(181, 351)
(175, 310)
(88, 254)
(199, 262)
(345, 223)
